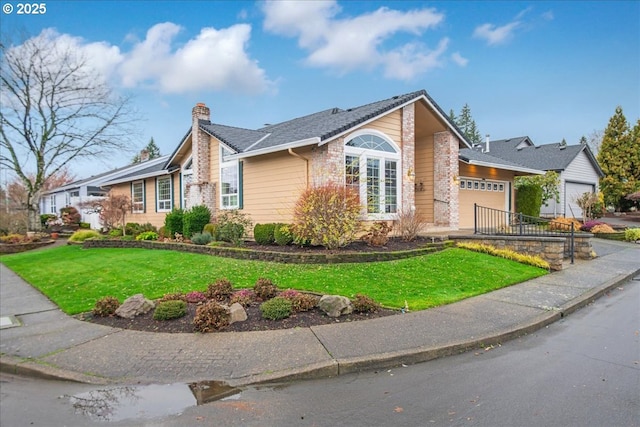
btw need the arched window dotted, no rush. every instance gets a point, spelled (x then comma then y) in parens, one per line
(372, 164)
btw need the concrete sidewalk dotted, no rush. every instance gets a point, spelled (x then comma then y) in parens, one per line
(49, 343)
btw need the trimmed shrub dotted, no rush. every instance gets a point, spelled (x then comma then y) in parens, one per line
(194, 297)
(602, 228)
(168, 310)
(70, 215)
(364, 304)
(632, 234)
(82, 235)
(213, 229)
(211, 316)
(172, 296)
(378, 234)
(173, 222)
(282, 235)
(147, 235)
(132, 228)
(529, 199)
(221, 290)
(564, 224)
(265, 289)
(232, 226)
(162, 232)
(587, 226)
(106, 306)
(244, 297)
(264, 234)
(327, 215)
(277, 308)
(299, 301)
(201, 238)
(194, 220)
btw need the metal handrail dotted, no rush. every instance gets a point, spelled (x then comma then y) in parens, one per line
(495, 222)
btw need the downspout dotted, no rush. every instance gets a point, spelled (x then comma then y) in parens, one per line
(306, 160)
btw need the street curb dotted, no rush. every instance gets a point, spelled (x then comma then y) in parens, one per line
(335, 367)
(30, 368)
(418, 355)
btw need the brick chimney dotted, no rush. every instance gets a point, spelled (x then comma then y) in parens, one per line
(201, 191)
(200, 141)
(144, 155)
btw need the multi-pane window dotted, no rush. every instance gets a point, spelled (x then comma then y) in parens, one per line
(371, 167)
(52, 203)
(229, 181)
(229, 187)
(187, 175)
(163, 192)
(137, 196)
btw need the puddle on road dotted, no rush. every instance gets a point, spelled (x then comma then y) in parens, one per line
(150, 401)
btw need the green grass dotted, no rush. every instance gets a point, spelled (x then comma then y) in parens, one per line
(74, 278)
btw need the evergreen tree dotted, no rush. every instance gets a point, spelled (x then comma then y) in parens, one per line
(152, 150)
(619, 158)
(452, 117)
(467, 125)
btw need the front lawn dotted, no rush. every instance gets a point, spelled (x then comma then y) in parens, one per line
(74, 278)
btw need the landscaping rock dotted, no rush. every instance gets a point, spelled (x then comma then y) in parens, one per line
(237, 313)
(135, 305)
(335, 305)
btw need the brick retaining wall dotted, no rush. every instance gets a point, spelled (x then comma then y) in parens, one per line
(552, 249)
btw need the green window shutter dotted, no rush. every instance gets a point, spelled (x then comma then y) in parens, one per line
(131, 188)
(240, 182)
(181, 195)
(144, 196)
(155, 193)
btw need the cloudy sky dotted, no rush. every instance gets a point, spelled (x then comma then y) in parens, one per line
(549, 70)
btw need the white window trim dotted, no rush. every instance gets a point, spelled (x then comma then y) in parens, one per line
(52, 204)
(224, 165)
(133, 202)
(364, 154)
(170, 199)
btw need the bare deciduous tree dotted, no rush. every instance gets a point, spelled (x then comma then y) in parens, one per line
(55, 108)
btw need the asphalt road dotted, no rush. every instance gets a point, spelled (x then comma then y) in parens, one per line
(581, 371)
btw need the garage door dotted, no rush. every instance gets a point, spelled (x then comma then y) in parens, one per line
(573, 190)
(491, 194)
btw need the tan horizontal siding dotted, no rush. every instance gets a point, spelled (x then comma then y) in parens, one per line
(271, 186)
(424, 175)
(390, 125)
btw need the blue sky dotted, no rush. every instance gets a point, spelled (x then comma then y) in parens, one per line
(549, 70)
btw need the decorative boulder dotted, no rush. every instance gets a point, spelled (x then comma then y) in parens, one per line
(237, 313)
(335, 305)
(134, 306)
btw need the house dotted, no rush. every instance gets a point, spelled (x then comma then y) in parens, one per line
(576, 165)
(88, 189)
(401, 153)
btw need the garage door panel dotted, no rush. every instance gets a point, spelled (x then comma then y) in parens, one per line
(573, 190)
(491, 199)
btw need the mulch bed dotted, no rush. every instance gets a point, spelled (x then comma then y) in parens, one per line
(254, 322)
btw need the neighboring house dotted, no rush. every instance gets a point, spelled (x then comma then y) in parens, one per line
(577, 166)
(88, 189)
(400, 153)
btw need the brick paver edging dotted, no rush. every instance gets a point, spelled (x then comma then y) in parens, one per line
(282, 257)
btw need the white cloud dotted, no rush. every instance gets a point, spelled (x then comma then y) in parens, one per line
(213, 60)
(548, 15)
(496, 35)
(343, 45)
(459, 59)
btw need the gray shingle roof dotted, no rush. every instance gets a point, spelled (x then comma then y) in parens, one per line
(321, 126)
(556, 157)
(469, 155)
